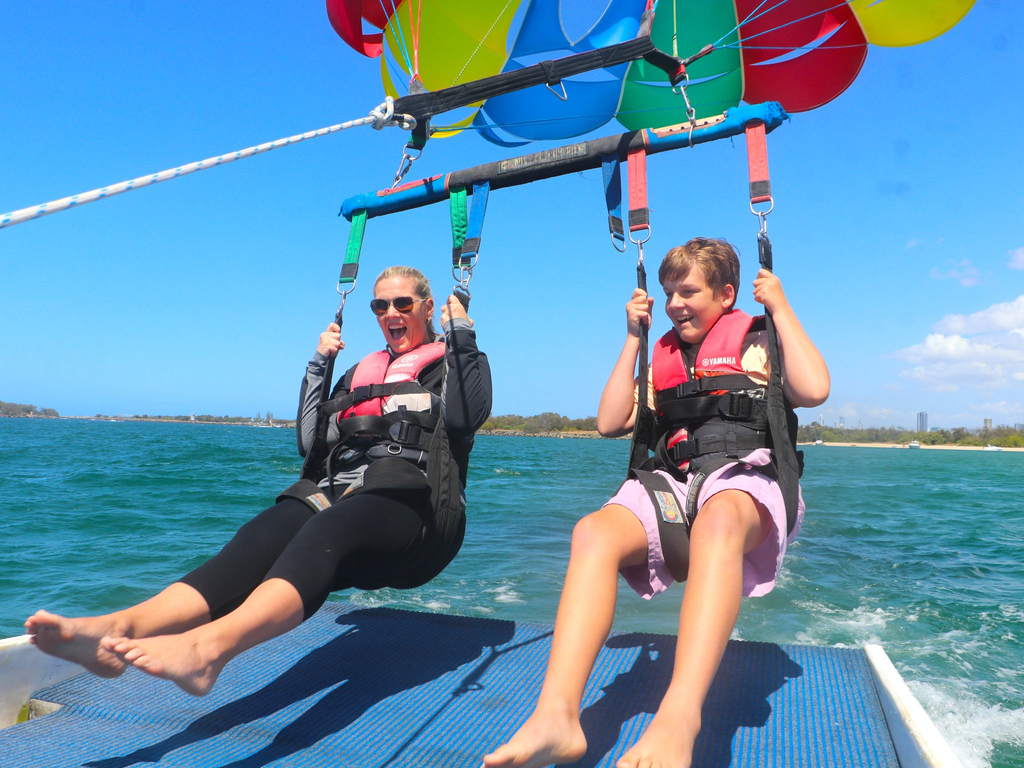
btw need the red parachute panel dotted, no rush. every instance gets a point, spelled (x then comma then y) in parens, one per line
(802, 53)
(347, 19)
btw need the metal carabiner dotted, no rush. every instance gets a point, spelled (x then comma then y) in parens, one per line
(344, 296)
(763, 215)
(636, 241)
(403, 167)
(463, 274)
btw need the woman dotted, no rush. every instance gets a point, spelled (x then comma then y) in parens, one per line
(380, 503)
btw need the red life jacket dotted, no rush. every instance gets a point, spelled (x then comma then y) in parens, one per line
(378, 368)
(680, 418)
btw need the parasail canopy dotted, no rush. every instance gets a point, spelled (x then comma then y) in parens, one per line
(801, 53)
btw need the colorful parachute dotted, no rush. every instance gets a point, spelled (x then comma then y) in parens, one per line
(802, 53)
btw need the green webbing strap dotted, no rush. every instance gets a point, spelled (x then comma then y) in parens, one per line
(350, 268)
(460, 222)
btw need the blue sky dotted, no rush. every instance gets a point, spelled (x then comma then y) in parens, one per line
(898, 227)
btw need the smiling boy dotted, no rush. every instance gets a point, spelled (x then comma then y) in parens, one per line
(734, 540)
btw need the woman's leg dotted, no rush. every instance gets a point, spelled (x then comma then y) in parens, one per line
(602, 543)
(295, 587)
(729, 524)
(225, 579)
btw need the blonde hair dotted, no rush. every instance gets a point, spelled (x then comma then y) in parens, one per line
(717, 258)
(421, 286)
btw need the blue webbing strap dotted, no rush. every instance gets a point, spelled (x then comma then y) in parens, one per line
(471, 246)
(613, 198)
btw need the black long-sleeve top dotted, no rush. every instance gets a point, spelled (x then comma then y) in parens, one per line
(465, 393)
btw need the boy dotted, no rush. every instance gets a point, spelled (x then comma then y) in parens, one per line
(737, 538)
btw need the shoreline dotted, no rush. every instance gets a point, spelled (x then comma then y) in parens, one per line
(943, 447)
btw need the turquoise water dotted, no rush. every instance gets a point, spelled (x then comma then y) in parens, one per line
(920, 551)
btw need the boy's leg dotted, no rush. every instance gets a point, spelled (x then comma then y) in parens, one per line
(602, 543)
(729, 525)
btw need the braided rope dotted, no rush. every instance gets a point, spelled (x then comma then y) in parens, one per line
(380, 117)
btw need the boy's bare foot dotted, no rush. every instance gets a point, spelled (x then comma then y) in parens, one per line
(183, 659)
(77, 640)
(545, 738)
(667, 743)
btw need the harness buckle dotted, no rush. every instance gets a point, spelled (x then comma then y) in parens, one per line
(394, 449)
(736, 405)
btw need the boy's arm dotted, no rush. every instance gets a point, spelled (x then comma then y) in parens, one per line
(805, 379)
(617, 410)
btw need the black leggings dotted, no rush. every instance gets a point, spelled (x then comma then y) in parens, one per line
(317, 553)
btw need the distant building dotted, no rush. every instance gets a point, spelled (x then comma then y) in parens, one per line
(1019, 427)
(988, 423)
(842, 422)
(860, 424)
(922, 421)
(821, 420)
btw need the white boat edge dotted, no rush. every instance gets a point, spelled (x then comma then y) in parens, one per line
(917, 741)
(24, 669)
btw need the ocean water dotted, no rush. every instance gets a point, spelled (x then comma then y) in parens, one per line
(919, 551)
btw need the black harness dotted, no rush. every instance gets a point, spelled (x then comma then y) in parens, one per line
(726, 417)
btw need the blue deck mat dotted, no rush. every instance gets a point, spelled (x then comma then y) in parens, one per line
(379, 687)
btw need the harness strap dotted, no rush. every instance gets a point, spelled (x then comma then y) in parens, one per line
(613, 199)
(471, 245)
(674, 522)
(728, 381)
(731, 444)
(639, 213)
(369, 392)
(757, 163)
(733, 406)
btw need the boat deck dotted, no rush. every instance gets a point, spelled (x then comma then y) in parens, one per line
(381, 687)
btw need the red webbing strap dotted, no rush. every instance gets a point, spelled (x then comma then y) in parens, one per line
(757, 161)
(639, 215)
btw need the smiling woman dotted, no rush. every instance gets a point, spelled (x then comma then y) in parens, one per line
(380, 503)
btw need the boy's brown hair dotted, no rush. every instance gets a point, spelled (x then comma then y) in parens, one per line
(717, 258)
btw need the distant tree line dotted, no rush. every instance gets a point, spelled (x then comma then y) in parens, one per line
(16, 409)
(1002, 436)
(545, 422)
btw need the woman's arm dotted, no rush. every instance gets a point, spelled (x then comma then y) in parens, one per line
(805, 378)
(466, 392)
(312, 383)
(617, 410)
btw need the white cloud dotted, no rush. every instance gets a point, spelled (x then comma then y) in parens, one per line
(913, 243)
(1000, 408)
(963, 272)
(1016, 259)
(984, 350)
(1007, 316)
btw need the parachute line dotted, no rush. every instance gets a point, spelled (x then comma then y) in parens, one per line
(480, 44)
(396, 30)
(789, 23)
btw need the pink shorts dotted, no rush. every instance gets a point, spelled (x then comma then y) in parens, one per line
(760, 566)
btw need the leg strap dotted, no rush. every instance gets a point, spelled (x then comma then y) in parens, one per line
(673, 526)
(309, 493)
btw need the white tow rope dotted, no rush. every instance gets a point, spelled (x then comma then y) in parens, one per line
(381, 117)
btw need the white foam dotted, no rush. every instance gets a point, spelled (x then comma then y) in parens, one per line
(971, 726)
(504, 593)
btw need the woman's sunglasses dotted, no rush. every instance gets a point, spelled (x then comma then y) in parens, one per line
(403, 304)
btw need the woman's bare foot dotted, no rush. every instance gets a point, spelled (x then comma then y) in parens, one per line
(667, 743)
(545, 738)
(77, 640)
(184, 659)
